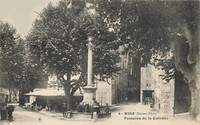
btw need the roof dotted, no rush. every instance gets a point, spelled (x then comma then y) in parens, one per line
(51, 92)
(2, 93)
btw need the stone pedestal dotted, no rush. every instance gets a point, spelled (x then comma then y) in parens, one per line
(88, 94)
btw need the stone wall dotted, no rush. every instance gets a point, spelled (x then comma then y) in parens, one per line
(103, 93)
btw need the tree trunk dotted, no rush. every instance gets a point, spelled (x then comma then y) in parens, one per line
(195, 100)
(192, 79)
(67, 96)
(21, 95)
(190, 71)
(195, 89)
(195, 85)
(67, 88)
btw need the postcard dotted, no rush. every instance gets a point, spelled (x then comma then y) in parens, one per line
(104, 62)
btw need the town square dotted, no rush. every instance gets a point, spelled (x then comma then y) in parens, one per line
(108, 62)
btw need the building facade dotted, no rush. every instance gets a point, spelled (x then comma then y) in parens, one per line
(9, 95)
(156, 91)
(127, 83)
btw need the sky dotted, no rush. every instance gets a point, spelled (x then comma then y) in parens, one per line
(21, 13)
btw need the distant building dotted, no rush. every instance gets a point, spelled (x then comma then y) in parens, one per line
(53, 97)
(3, 95)
(9, 95)
(147, 84)
(169, 98)
(127, 83)
(157, 91)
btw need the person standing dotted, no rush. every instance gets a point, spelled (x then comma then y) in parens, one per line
(64, 109)
(126, 100)
(107, 109)
(10, 110)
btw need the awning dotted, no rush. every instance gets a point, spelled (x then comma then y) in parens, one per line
(51, 92)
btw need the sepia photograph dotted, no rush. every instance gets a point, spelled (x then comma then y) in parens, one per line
(99, 62)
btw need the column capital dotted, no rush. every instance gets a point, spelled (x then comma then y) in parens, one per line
(90, 43)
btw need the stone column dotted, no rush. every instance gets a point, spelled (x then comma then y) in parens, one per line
(90, 62)
(89, 89)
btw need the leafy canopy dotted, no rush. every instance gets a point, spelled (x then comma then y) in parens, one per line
(59, 41)
(11, 56)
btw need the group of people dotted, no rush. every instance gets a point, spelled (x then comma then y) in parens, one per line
(34, 107)
(95, 107)
(82, 107)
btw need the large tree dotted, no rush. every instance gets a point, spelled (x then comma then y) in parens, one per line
(185, 44)
(59, 41)
(16, 71)
(11, 57)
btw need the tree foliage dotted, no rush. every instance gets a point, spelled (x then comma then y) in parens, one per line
(15, 70)
(11, 56)
(148, 29)
(58, 41)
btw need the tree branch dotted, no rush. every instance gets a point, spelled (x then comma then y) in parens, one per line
(83, 73)
(193, 44)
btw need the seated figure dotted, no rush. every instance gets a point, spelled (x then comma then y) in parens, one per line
(80, 107)
(107, 109)
(96, 107)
